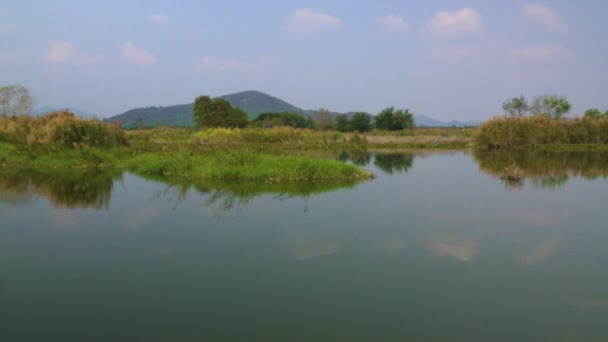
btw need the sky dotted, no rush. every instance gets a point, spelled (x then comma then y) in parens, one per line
(451, 59)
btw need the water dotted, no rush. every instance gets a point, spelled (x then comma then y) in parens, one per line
(438, 247)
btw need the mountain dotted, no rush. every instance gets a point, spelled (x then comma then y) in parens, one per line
(425, 121)
(251, 102)
(45, 109)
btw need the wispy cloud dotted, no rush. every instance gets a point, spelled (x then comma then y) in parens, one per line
(158, 18)
(132, 54)
(308, 21)
(462, 251)
(543, 15)
(393, 23)
(63, 52)
(543, 53)
(459, 23)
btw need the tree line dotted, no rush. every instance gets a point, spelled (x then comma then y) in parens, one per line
(208, 113)
(552, 106)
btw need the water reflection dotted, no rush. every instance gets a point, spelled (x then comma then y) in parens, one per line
(227, 196)
(545, 170)
(68, 189)
(394, 162)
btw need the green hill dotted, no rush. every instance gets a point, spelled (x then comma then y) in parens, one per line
(252, 102)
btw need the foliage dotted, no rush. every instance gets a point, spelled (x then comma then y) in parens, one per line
(217, 113)
(394, 120)
(517, 106)
(507, 133)
(342, 123)
(243, 165)
(266, 120)
(15, 100)
(323, 120)
(552, 106)
(59, 129)
(276, 135)
(360, 122)
(594, 113)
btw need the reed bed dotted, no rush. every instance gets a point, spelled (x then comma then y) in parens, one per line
(509, 133)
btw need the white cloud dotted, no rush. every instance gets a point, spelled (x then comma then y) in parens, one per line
(308, 21)
(158, 18)
(543, 15)
(543, 53)
(458, 23)
(7, 28)
(393, 23)
(64, 52)
(132, 54)
(462, 251)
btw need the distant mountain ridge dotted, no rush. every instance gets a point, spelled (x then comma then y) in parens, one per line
(251, 102)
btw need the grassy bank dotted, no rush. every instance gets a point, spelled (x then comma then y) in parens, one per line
(543, 133)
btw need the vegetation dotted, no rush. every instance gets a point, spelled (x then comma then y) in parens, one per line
(509, 133)
(59, 129)
(595, 113)
(15, 100)
(552, 106)
(359, 122)
(394, 120)
(268, 120)
(217, 113)
(243, 165)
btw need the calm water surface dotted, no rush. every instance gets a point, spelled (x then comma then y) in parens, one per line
(438, 247)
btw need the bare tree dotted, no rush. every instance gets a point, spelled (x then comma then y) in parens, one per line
(15, 100)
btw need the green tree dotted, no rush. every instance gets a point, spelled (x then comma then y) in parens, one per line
(361, 122)
(384, 119)
(394, 120)
(209, 112)
(296, 120)
(593, 113)
(516, 107)
(15, 100)
(552, 106)
(342, 123)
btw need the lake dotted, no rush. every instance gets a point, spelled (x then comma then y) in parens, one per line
(440, 246)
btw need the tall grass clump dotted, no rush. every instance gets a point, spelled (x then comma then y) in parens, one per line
(514, 132)
(61, 129)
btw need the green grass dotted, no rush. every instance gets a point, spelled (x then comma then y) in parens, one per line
(244, 166)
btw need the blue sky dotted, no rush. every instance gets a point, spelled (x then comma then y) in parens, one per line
(451, 60)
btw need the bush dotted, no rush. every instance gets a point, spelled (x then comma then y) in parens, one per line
(59, 129)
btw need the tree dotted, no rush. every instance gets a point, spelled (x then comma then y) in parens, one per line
(209, 112)
(296, 120)
(394, 120)
(342, 123)
(15, 100)
(552, 106)
(361, 122)
(384, 119)
(516, 107)
(323, 119)
(593, 113)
